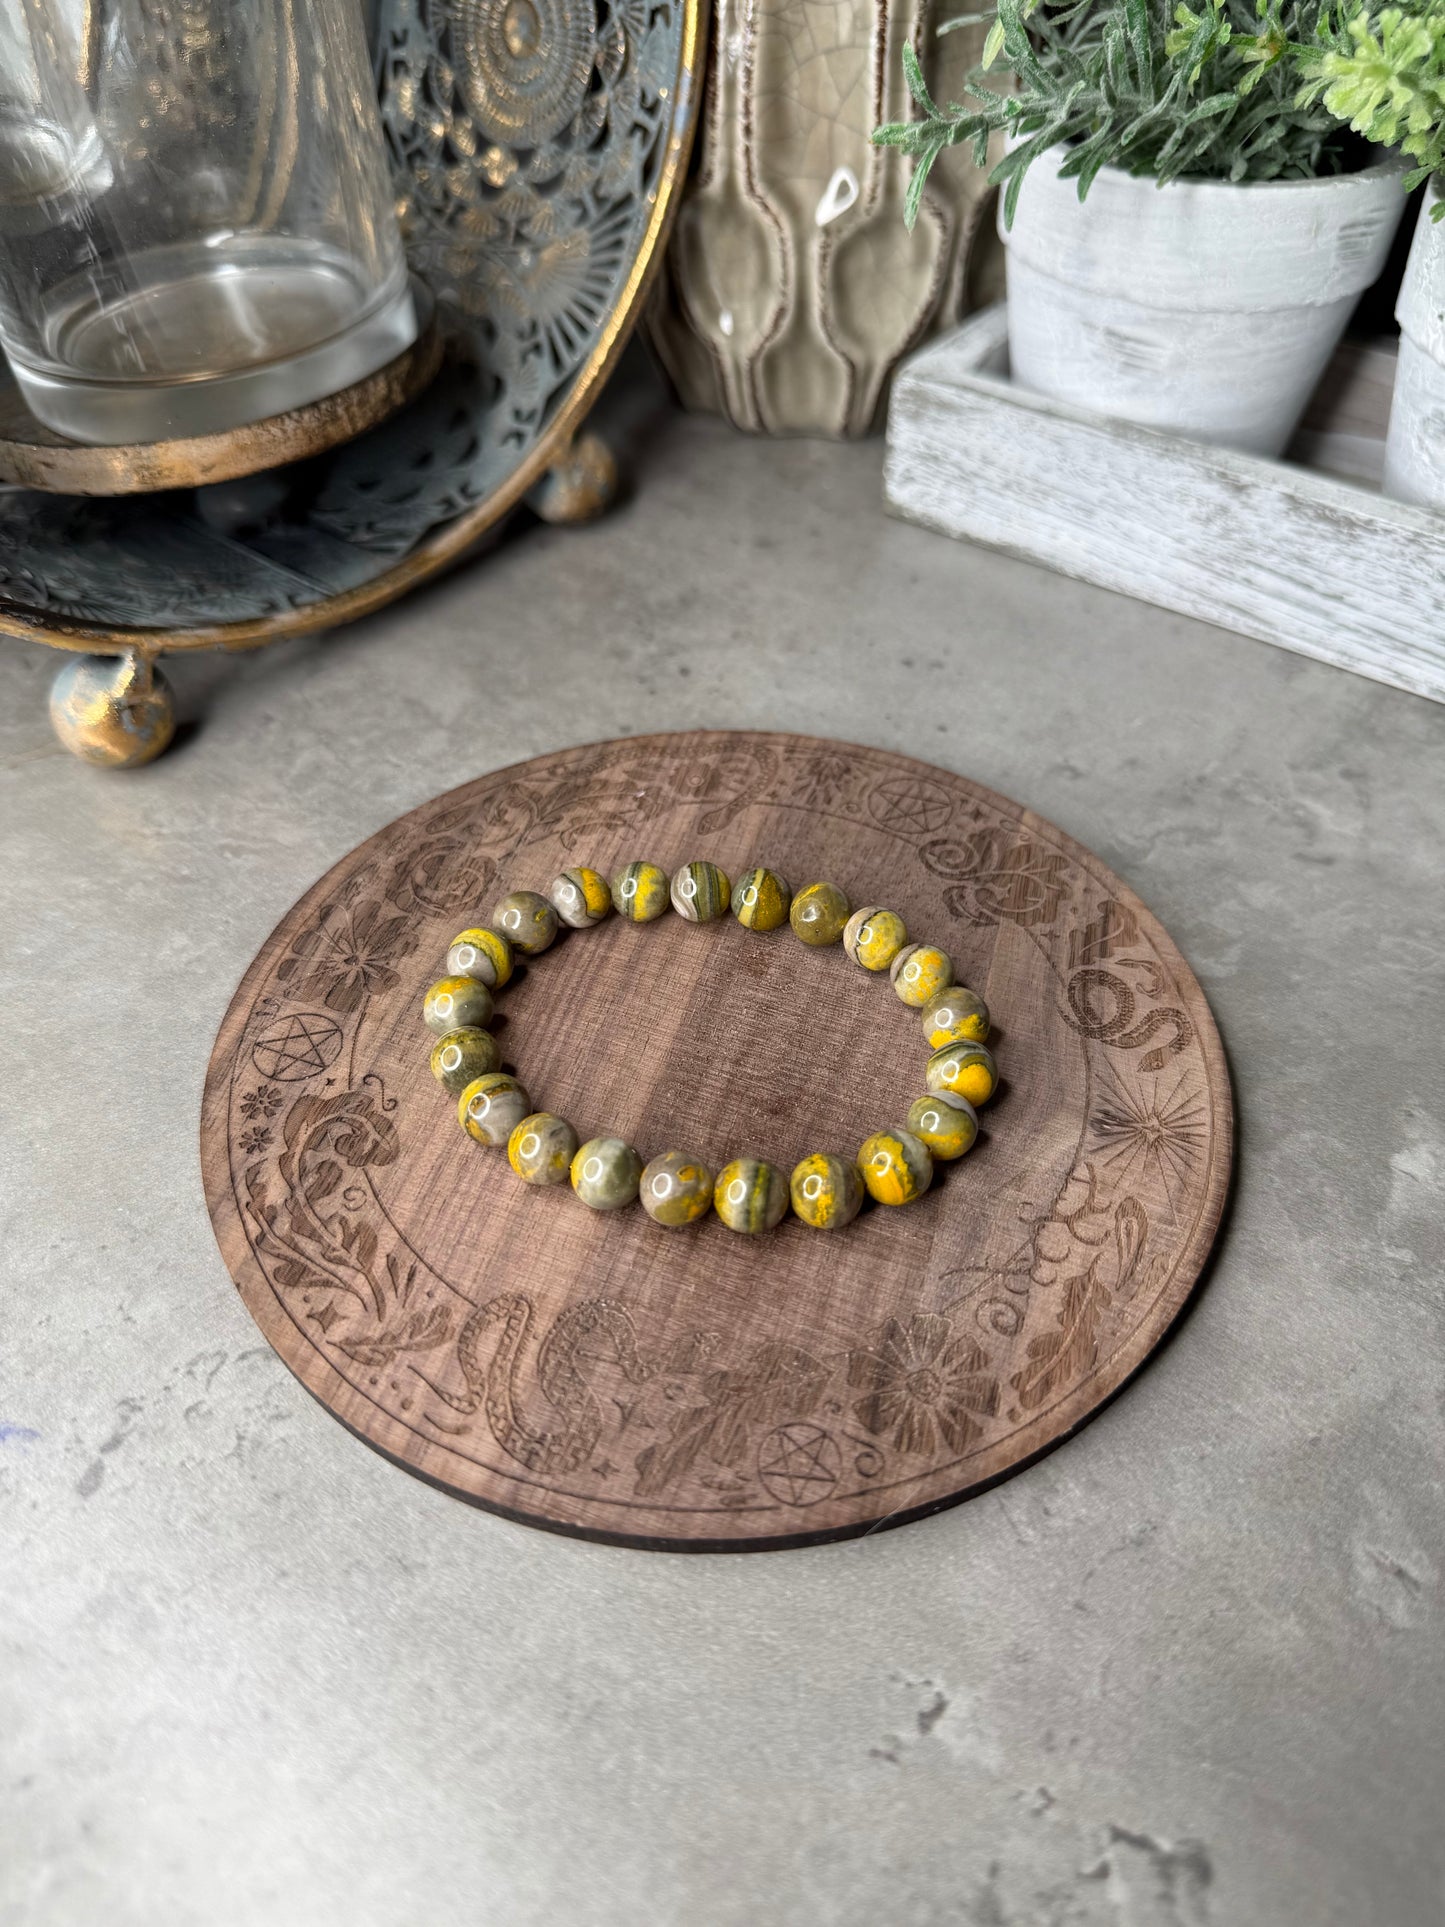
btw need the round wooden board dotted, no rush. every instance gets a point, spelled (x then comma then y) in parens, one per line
(694, 1389)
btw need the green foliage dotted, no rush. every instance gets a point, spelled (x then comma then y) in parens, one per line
(1150, 86)
(1382, 73)
(1240, 90)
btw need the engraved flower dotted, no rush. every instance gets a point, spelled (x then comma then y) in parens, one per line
(263, 1102)
(921, 1382)
(346, 955)
(255, 1140)
(444, 875)
(998, 875)
(826, 777)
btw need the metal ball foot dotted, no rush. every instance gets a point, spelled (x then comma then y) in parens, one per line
(579, 486)
(115, 711)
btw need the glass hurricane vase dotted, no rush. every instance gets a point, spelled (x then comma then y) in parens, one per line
(196, 225)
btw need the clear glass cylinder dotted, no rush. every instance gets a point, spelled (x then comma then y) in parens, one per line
(196, 223)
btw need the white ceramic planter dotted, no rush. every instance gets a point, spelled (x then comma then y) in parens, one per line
(1204, 308)
(1415, 444)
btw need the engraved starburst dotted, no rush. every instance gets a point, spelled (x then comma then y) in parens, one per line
(1151, 1137)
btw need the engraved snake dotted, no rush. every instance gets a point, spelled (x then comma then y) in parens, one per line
(1088, 986)
(491, 1373)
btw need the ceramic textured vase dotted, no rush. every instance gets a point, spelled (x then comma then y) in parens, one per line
(792, 287)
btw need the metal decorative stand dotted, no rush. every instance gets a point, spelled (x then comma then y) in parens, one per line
(538, 147)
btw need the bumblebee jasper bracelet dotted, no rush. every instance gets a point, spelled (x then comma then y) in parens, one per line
(894, 1166)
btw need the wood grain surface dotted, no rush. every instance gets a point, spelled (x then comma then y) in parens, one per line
(694, 1389)
(1348, 576)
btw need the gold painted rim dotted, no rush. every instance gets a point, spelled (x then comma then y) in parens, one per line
(56, 466)
(447, 544)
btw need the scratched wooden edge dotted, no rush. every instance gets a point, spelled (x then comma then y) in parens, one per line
(1019, 1449)
(955, 414)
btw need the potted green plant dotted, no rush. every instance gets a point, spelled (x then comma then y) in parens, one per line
(1382, 71)
(1209, 308)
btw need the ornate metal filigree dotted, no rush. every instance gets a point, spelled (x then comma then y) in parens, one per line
(534, 143)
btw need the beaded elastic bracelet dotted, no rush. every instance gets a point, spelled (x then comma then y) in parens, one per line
(895, 1166)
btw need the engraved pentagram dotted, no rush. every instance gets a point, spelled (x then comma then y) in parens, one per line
(298, 1047)
(910, 803)
(798, 1464)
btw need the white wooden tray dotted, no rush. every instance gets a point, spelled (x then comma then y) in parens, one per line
(1316, 563)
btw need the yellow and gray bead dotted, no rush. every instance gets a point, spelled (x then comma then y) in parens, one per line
(749, 1195)
(463, 1055)
(919, 972)
(827, 1192)
(701, 892)
(580, 897)
(874, 937)
(956, 1015)
(541, 1148)
(492, 1106)
(966, 1068)
(896, 1166)
(481, 954)
(676, 1189)
(527, 921)
(819, 914)
(606, 1173)
(640, 892)
(457, 1003)
(945, 1122)
(761, 899)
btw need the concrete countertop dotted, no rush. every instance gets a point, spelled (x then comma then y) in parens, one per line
(1185, 1672)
